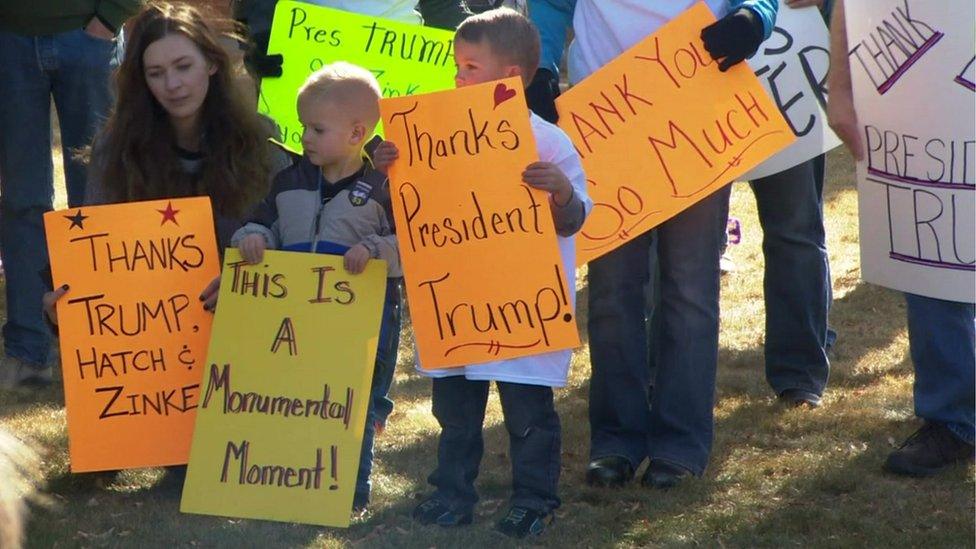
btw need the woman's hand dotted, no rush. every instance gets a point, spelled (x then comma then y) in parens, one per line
(50, 301)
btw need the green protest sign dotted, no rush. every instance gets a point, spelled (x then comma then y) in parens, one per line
(406, 59)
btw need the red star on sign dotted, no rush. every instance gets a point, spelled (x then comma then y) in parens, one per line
(169, 214)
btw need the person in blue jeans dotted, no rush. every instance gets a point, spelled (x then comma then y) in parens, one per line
(673, 426)
(796, 282)
(941, 334)
(49, 49)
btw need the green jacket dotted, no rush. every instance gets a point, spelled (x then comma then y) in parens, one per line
(41, 17)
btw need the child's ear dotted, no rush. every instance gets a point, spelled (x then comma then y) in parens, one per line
(513, 70)
(358, 134)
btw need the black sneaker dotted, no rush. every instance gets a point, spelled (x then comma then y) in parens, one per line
(522, 521)
(435, 511)
(929, 450)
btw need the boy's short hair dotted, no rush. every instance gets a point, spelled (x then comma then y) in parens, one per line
(352, 87)
(508, 33)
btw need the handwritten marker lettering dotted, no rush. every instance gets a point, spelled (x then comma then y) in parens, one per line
(893, 46)
(660, 128)
(280, 409)
(132, 329)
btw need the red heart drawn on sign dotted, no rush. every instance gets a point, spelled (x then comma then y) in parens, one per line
(502, 94)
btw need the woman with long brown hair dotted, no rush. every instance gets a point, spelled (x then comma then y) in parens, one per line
(182, 125)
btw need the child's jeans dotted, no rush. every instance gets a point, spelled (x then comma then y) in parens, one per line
(534, 439)
(380, 406)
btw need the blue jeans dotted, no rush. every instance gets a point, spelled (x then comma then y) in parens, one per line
(380, 406)
(942, 337)
(534, 436)
(73, 68)
(675, 422)
(796, 282)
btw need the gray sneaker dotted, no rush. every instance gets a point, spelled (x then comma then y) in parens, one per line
(20, 374)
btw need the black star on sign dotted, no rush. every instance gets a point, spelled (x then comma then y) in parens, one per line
(76, 220)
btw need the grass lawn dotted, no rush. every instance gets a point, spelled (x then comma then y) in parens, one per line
(777, 476)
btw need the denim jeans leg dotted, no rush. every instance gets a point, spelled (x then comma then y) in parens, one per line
(82, 97)
(681, 418)
(819, 175)
(620, 377)
(364, 483)
(459, 406)
(796, 282)
(942, 338)
(386, 353)
(379, 406)
(535, 439)
(26, 192)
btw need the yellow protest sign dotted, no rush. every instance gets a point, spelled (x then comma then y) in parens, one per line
(407, 59)
(660, 128)
(481, 263)
(284, 395)
(133, 332)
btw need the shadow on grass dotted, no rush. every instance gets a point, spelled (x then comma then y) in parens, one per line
(864, 324)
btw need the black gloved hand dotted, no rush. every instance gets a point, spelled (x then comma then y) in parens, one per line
(262, 64)
(733, 37)
(542, 93)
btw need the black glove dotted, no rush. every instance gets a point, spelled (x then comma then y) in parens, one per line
(260, 63)
(733, 37)
(542, 93)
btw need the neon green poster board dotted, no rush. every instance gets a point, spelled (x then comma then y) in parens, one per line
(283, 398)
(406, 59)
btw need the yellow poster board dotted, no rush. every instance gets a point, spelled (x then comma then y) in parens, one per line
(133, 332)
(285, 389)
(660, 128)
(407, 59)
(481, 263)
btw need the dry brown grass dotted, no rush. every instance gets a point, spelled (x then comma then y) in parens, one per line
(777, 476)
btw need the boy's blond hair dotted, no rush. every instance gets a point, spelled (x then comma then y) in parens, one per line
(354, 89)
(509, 34)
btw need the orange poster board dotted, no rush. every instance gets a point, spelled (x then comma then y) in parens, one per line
(660, 128)
(481, 263)
(133, 332)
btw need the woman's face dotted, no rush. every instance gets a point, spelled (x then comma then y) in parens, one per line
(178, 75)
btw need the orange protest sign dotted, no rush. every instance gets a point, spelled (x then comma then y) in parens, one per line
(481, 263)
(660, 128)
(133, 332)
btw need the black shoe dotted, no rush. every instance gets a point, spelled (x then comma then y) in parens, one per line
(928, 451)
(663, 475)
(610, 471)
(360, 501)
(174, 477)
(434, 511)
(522, 521)
(799, 397)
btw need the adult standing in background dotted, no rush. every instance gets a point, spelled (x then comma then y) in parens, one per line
(941, 334)
(797, 275)
(796, 279)
(673, 426)
(60, 49)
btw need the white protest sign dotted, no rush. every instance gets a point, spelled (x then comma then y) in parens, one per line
(792, 65)
(916, 108)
